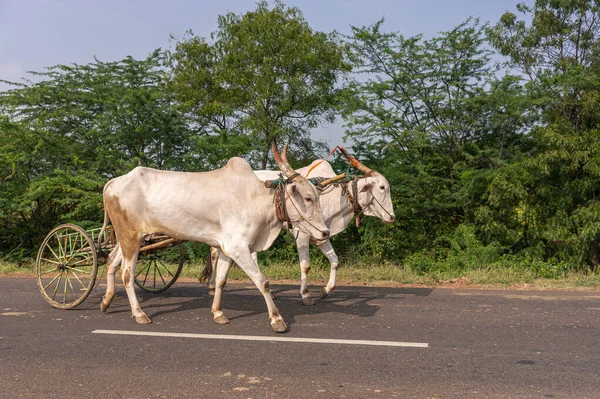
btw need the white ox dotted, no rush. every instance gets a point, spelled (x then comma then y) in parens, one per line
(228, 208)
(337, 206)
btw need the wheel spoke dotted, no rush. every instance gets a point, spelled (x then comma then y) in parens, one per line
(154, 280)
(83, 285)
(80, 250)
(147, 271)
(62, 250)
(77, 270)
(69, 241)
(71, 286)
(48, 285)
(159, 273)
(146, 266)
(65, 288)
(78, 262)
(53, 253)
(48, 271)
(57, 284)
(166, 268)
(50, 261)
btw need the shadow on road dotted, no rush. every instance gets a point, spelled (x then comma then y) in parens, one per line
(246, 301)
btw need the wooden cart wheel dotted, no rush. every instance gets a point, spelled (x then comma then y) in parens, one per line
(158, 270)
(66, 266)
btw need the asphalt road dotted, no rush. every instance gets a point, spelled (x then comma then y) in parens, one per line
(481, 344)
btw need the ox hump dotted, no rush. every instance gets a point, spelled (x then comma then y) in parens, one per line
(239, 165)
(318, 168)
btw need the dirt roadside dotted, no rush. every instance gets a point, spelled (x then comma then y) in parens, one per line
(458, 283)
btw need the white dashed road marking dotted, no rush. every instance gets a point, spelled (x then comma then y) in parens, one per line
(268, 339)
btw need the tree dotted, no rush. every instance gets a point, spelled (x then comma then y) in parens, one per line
(557, 54)
(65, 135)
(265, 74)
(435, 119)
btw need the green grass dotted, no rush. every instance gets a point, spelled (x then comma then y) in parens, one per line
(386, 274)
(16, 268)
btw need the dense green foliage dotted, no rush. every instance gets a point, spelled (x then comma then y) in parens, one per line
(75, 127)
(491, 164)
(266, 74)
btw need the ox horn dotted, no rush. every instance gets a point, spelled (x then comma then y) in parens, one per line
(284, 154)
(356, 163)
(281, 160)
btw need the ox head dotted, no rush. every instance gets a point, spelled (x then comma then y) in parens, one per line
(301, 199)
(374, 195)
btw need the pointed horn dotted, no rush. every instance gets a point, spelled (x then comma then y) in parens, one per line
(275, 152)
(356, 163)
(284, 154)
(282, 163)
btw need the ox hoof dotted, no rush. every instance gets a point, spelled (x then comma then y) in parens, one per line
(222, 319)
(324, 293)
(211, 291)
(279, 326)
(142, 319)
(104, 306)
(308, 301)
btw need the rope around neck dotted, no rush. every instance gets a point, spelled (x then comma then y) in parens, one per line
(281, 209)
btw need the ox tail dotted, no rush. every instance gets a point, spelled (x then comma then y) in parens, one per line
(208, 269)
(101, 234)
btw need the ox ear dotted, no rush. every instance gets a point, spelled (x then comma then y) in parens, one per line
(366, 187)
(293, 188)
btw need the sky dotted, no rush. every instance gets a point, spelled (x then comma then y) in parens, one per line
(39, 33)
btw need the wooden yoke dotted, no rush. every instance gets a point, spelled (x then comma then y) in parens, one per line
(333, 179)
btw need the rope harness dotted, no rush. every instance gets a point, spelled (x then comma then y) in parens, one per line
(353, 198)
(279, 198)
(355, 203)
(280, 207)
(356, 207)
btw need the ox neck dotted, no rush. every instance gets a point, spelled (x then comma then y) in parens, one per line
(279, 199)
(338, 218)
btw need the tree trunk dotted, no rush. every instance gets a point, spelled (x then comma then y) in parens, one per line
(266, 153)
(595, 250)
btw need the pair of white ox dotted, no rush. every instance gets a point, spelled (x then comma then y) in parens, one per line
(338, 206)
(229, 208)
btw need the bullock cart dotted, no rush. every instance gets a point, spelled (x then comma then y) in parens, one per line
(68, 258)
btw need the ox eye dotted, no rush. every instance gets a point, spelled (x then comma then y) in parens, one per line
(308, 199)
(382, 187)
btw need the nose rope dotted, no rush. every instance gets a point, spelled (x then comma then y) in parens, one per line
(380, 205)
(359, 209)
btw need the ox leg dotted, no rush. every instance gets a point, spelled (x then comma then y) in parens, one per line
(128, 277)
(112, 264)
(303, 242)
(255, 257)
(246, 262)
(221, 277)
(329, 252)
(214, 258)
